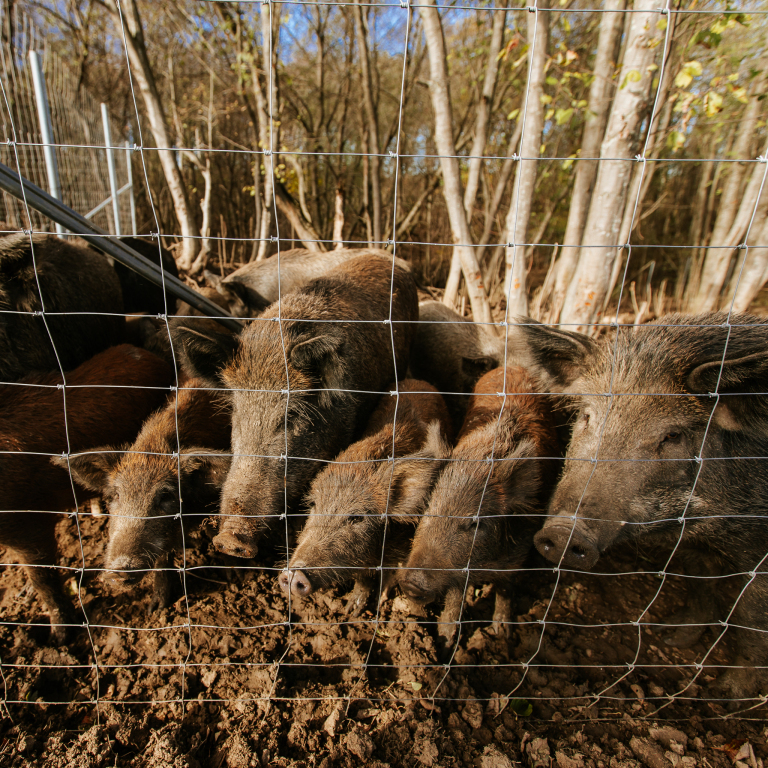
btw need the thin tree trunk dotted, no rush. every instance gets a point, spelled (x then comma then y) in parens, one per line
(755, 273)
(591, 280)
(304, 229)
(498, 193)
(478, 146)
(484, 112)
(730, 223)
(372, 124)
(600, 97)
(338, 219)
(145, 77)
(515, 289)
(441, 105)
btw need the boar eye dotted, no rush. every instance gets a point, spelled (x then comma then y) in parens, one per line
(352, 519)
(672, 438)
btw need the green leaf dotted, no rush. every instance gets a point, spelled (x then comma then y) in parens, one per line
(551, 80)
(548, 115)
(675, 140)
(741, 94)
(714, 103)
(568, 162)
(521, 707)
(633, 76)
(545, 98)
(661, 24)
(563, 115)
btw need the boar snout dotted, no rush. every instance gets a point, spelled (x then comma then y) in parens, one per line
(418, 586)
(569, 543)
(126, 570)
(235, 543)
(296, 582)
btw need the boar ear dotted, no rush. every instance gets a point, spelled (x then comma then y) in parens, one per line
(740, 376)
(242, 301)
(519, 471)
(203, 352)
(320, 355)
(559, 355)
(474, 368)
(92, 470)
(412, 482)
(212, 465)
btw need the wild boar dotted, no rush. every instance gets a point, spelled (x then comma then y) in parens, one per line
(672, 424)
(249, 290)
(481, 517)
(107, 398)
(147, 497)
(73, 279)
(304, 379)
(363, 507)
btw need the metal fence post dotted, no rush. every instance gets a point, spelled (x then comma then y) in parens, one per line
(111, 168)
(132, 197)
(46, 131)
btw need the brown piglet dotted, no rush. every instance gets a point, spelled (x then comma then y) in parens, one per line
(364, 505)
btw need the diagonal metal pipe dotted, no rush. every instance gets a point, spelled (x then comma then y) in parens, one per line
(54, 209)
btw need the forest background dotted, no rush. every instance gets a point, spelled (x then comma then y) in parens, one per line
(541, 160)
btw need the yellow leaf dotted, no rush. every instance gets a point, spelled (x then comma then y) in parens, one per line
(549, 114)
(416, 686)
(693, 68)
(542, 148)
(683, 80)
(741, 94)
(545, 98)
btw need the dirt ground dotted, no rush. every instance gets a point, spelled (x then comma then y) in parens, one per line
(323, 690)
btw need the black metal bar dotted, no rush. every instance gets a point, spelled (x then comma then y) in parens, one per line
(56, 211)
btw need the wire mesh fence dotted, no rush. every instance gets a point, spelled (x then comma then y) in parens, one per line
(364, 527)
(77, 125)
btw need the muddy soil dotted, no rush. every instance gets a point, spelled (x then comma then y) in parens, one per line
(230, 675)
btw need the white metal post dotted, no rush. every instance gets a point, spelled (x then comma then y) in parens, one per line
(46, 131)
(130, 189)
(111, 168)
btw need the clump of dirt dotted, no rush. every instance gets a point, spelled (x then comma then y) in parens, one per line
(231, 675)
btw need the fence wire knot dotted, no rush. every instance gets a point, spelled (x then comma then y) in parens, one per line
(273, 238)
(404, 3)
(762, 159)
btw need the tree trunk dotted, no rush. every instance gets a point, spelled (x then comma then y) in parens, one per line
(338, 219)
(484, 112)
(515, 289)
(478, 145)
(600, 96)
(730, 224)
(142, 71)
(372, 125)
(755, 273)
(441, 105)
(501, 184)
(591, 280)
(304, 229)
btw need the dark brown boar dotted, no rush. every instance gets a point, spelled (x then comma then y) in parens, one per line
(148, 500)
(107, 398)
(364, 507)
(249, 290)
(73, 279)
(305, 378)
(657, 456)
(481, 517)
